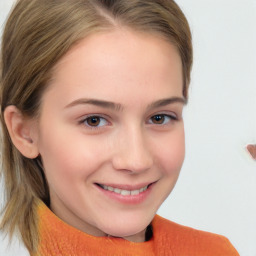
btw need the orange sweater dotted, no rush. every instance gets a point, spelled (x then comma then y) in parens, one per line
(169, 239)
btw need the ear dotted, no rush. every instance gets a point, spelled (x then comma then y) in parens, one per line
(22, 132)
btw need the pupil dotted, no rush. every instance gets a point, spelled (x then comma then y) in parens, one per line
(158, 119)
(94, 121)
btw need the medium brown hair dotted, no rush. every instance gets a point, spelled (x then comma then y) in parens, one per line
(37, 34)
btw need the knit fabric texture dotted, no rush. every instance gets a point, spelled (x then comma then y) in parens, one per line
(169, 239)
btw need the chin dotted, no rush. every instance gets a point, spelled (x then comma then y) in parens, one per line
(126, 227)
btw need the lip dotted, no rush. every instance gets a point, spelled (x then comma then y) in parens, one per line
(130, 199)
(127, 187)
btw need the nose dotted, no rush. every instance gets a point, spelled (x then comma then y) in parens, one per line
(132, 151)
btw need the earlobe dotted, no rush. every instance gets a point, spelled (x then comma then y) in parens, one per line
(21, 132)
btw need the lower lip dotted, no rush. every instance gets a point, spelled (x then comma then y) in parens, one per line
(132, 199)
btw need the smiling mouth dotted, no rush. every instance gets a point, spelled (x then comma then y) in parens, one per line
(124, 192)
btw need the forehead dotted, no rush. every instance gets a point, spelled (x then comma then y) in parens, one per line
(118, 60)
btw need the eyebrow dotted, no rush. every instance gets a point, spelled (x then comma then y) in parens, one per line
(168, 101)
(119, 107)
(99, 103)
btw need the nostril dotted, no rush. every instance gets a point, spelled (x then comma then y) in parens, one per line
(132, 162)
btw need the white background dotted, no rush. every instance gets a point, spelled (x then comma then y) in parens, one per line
(217, 187)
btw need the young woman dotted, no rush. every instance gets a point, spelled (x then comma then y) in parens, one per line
(92, 93)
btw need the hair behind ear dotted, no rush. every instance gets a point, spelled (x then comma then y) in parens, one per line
(24, 179)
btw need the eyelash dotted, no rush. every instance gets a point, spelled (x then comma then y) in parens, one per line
(84, 121)
(171, 118)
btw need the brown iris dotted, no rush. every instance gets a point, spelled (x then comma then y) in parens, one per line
(158, 119)
(93, 121)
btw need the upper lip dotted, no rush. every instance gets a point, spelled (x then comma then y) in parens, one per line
(126, 186)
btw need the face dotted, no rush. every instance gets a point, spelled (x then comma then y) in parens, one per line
(111, 134)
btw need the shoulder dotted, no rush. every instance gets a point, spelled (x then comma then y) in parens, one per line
(188, 241)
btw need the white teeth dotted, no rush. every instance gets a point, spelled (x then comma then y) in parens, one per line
(109, 188)
(124, 192)
(117, 190)
(135, 192)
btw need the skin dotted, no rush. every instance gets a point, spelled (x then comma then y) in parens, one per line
(132, 142)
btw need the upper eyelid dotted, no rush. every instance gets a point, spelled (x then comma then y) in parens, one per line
(109, 119)
(82, 121)
(165, 113)
(84, 117)
(172, 117)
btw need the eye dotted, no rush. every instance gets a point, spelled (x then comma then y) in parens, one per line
(162, 119)
(94, 121)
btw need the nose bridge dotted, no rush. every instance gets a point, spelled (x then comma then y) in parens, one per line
(133, 152)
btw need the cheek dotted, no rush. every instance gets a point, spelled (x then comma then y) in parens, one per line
(67, 156)
(171, 155)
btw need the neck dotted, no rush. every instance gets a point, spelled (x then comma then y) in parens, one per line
(137, 238)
